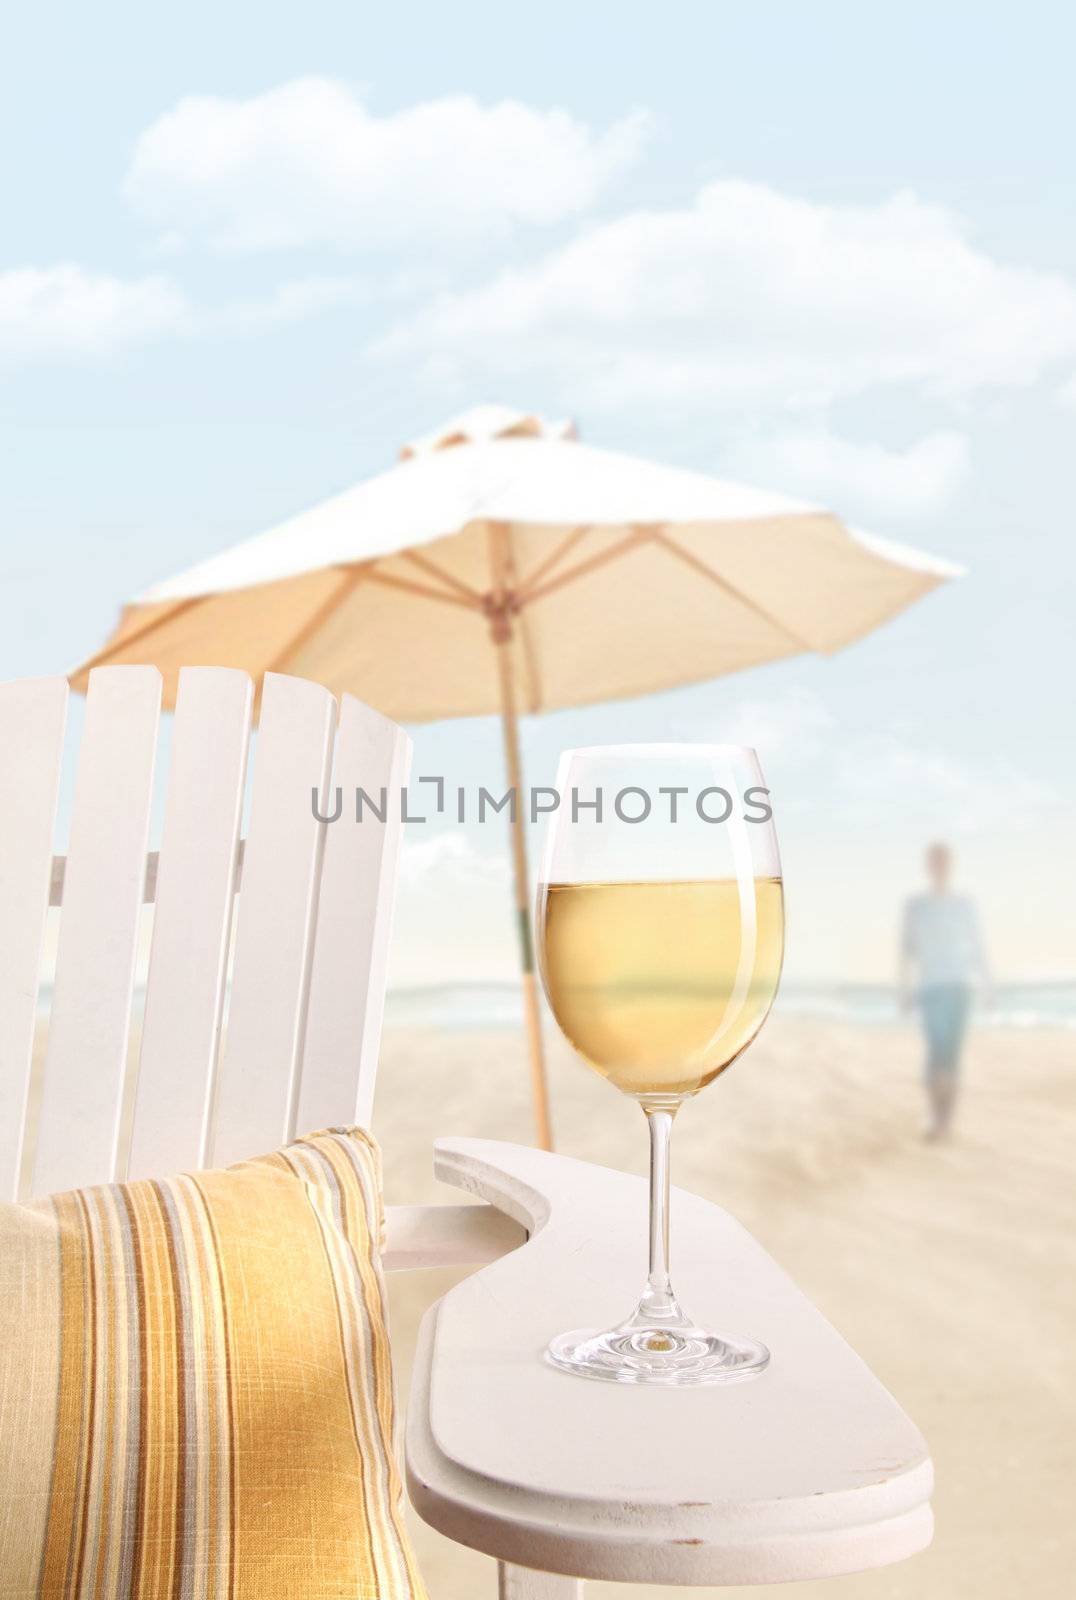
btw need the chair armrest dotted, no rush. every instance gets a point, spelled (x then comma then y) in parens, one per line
(446, 1236)
(809, 1470)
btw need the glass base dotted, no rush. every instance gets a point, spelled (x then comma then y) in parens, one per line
(660, 1353)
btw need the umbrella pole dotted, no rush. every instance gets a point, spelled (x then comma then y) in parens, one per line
(539, 1088)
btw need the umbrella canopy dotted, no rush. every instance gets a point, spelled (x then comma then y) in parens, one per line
(502, 565)
(616, 576)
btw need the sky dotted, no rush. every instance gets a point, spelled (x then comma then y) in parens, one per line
(246, 252)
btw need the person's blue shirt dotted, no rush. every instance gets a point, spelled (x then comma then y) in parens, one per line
(942, 941)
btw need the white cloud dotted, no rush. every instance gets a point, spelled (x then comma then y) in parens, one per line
(293, 301)
(751, 297)
(824, 467)
(308, 164)
(880, 778)
(791, 727)
(66, 309)
(885, 775)
(450, 857)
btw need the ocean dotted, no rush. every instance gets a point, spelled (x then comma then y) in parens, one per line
(498, 1005)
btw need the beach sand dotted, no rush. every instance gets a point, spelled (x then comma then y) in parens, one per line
(952, 1270)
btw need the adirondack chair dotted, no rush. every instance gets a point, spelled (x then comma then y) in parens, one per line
(807, 1471)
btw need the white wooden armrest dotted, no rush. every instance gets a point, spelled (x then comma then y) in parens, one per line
(807, 1471)
(446, 1236)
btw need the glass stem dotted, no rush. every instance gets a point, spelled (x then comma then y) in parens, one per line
(659, 1300)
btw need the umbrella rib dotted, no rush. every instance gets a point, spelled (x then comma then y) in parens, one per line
(138, 634)
(350, 577)
(426, 565)
(662, 538)
(554, 559)
(390, 581)
(637, 536)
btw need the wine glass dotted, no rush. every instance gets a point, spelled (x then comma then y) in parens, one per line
(661, 936)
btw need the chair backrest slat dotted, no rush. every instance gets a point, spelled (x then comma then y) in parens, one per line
(259, 1076)
(347, 981)
(85, 1062)
(196, 873)
(32, 719)
(306, 903)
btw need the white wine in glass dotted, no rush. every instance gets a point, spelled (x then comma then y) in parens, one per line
(661, 935)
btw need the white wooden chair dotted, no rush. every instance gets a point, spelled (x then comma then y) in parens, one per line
(807, 1471)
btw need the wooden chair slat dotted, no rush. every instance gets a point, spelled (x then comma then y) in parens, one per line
(347, 983)
(195, 882)
(32, 719)
(259, 1075)
(819, 1474)
(86, 1056)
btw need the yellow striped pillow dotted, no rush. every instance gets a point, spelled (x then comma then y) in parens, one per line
(195, 1389)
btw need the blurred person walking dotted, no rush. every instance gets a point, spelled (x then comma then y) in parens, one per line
(942, 961)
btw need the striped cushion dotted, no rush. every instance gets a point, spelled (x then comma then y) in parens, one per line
(195, 1390)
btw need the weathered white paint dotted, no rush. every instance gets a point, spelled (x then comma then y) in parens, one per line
(521, 1583)
(807, 1471)
(86, 1055)
(358, 883)
(447, 1236)
(259, 1076)
(32, 717)
(194, 889)
(149, 887)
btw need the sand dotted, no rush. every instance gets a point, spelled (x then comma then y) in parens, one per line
(950, 1269)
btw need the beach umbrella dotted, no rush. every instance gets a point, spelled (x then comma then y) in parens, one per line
(502, 566)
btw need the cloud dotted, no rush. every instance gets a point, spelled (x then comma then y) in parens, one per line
(792, 726)
(307, 164)
(66, 309)
(854, 776)
(450, 857)
(821, 466)
(289, 302)
(880, 776)
(750, 298)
